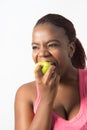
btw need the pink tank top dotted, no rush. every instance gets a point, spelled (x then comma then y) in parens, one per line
(79, 122)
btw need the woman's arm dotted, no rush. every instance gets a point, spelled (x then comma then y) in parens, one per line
(23, 109)
(24, 115)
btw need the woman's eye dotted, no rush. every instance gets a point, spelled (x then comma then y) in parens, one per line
(54, 45)
(35, 47)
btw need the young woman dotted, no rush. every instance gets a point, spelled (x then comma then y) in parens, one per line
(56, 100)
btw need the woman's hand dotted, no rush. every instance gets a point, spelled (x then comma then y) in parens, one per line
(47, 83)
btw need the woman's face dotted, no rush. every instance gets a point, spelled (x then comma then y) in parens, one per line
(50, 43)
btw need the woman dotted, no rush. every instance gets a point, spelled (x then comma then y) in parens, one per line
(56, 100)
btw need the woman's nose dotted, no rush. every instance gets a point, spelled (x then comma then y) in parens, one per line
(43, 52)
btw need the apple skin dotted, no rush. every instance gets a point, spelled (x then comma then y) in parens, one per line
(45, 65)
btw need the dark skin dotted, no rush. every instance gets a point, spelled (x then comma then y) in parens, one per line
(59, 91)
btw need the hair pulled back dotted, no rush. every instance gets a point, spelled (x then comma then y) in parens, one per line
(79, 57)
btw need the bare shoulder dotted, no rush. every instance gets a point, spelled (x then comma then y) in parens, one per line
(26, 92)
(23, 105)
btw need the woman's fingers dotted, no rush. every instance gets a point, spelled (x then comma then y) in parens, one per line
(48, 79)
(37, 72)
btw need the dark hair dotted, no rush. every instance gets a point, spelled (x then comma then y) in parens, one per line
(79, 57)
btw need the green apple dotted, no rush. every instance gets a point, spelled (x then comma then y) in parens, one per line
(45, 65)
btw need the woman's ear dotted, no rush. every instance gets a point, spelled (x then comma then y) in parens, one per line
(71, 49)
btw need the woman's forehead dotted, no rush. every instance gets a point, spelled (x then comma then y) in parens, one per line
(50, 27)
(48, 30)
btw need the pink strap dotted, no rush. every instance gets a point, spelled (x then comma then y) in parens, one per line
(37, 99)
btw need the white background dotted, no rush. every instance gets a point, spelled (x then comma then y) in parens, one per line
(17, 18)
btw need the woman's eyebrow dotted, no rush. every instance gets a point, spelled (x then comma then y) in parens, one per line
(53, 40)
(34, 43)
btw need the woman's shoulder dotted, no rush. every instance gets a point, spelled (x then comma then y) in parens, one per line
(27, 92)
